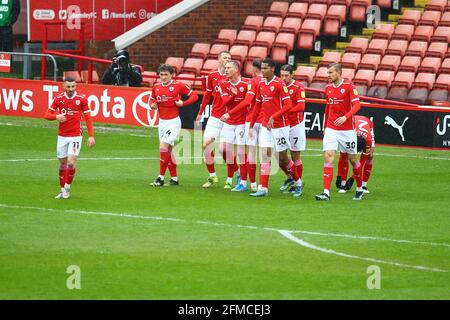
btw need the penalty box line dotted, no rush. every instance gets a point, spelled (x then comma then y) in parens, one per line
(285, 233)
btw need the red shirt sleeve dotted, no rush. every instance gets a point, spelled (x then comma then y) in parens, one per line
(354, 101)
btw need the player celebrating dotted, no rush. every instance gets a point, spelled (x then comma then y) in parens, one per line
(249, 103)
(166, 98)
(342, 103)
(273, 101)
(297, 135)
(214, 124)
(366, 145)
(68, 109)
(233, 91)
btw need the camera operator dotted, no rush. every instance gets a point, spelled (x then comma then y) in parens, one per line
(121, 72)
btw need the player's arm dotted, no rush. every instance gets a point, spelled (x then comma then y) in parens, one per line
(355, 106)
(51, 114)
(192, 97)
(206, 97)
(152, 101)
(300, 107)
(89, 124)
(286, 105)
(248, 100)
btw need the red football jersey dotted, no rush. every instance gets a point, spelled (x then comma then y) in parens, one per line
(73, 109)
(253, 89)
(339, 102)
(225, 90)
(212, 85)
(297, 94)
(272, 95)
(166, 96)
(364, 128)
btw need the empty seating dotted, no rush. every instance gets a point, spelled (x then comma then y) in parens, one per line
(445, 20)
(291, 24)
(437, 5)
(330, 57)
(430, 65)
(216, 49)
(333, 20)
(176, 62)
(417, 48)
(272, 24)
(410, 17)
(390, 63)
(85, 76)
(430, 18)
(362, 80)
(440, 88)
(370, 61)
(385, 4)
(403, 32)
(321, 75)
(423, 33)
(209, 66)
(192, 65)
(254, 53)
(239, 53)
(304, 74)
(149, 78)
(226, 36)
(297, 10)
(383, 31)
(381, 83)
(410, 63)
(400, 86)
(424, 80)
(282, 45)
(265, 39)
(397, 47)
(377, 46)
(278, 9)
(350, 60)
(445, 66)
(253, 23)
(358, 10)
(358, 45)
(441, 34)
(245, 38)
(316, 11)
(307, 35)
(200, 50)
(187, 78)
(348, 73)
(73, 74)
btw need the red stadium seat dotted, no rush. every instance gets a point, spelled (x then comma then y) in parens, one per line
(410, 17)
(254, 53)
(297, 10)
(436, 5)
(239, 53)
(149, 78)
(85, 76)
(350, 60)
(438, 95)
(216, 49)
(272, 24)
(282, 45)
(370, 61)
(278, 9)
(441, 34)
(189, 81)
(377, 46)
(410, 63)
(245, 38)
(423, 33)
(447, 55)
(424, 80)
(226, 36)
(304, 73)
(437, 49)
(430, 65)
(445, 66)
(175, 62)
(330, 57)
(417, 48)
(385, 4)
(442, 82)
(390, 63)
(321, 75)
(316, 11)
(192, 65)
(200, 50)
(384, 78)
(403, 32)
(383, 31)
(364, 77)
(265, 39)
(358, 45)
(397, 47)
(307, 35)
(73, 74)
(253, 23)
(403, 79)
(348, 73)
(358, 10)
(209, 66)
(333, 20)
(291, 24)
(445, 20)
(430, 18)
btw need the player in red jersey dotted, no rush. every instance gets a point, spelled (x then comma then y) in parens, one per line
(214, 124)
(342, 103)
(233, 91)
(68, 109)
(297, 135)
(273, 101)
(166, 98)
(249, 103)
(366, 145)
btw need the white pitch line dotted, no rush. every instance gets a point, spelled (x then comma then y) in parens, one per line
(285, 233)
(303, 243)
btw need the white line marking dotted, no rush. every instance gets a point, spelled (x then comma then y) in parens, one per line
(285, 233)
(303, 243)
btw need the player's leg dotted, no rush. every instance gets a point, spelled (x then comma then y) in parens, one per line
(241, 186)
(266, 147)
(251, 154)
(226, 148)
(164, 153)
(168, 141)
(341, 179)
(61, 153)
(211, 134)
(367, 170)
(73, 151)
(330, 145)
(347, 143)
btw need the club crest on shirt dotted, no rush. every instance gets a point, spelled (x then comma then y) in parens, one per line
(342, 91)
(291, 91)
(171, 89)
(241, 89)
(77, 102)
(272, 88)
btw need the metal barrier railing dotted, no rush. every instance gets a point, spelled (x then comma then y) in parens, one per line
(43, 55)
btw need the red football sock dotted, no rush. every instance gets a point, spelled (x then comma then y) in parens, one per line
(299, 167)
(343, 166)
(327, 175)
(164, 159)
(357, 173)
(209, 160)
(62, 175)
(252, 172)
(289, 169)
(264, 174)
(70, 173)
(172, 166)
(367, 170)
(243, 169)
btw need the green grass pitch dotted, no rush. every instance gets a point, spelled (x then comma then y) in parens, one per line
(133, 241)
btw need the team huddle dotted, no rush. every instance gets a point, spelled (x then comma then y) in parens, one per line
(265, 111)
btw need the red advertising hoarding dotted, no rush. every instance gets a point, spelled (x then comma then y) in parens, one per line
(5, 62)
(109, 104)
(102, 19)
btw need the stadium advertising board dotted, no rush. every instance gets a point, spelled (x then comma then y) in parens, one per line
(103, 19)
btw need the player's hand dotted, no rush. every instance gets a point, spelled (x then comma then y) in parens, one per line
(154, 106)
(234, 90)
(179, 103)
(60, 117)
(91, 142)
(340, 121)
(225, 117)
(199, 118)
(270, 123)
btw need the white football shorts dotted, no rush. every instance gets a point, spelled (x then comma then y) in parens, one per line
(213, 128)
(233, 134)
(297, 137)
(254, 140)
(168, 130)
(68, 146)
(340, 140)
(277, 138)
